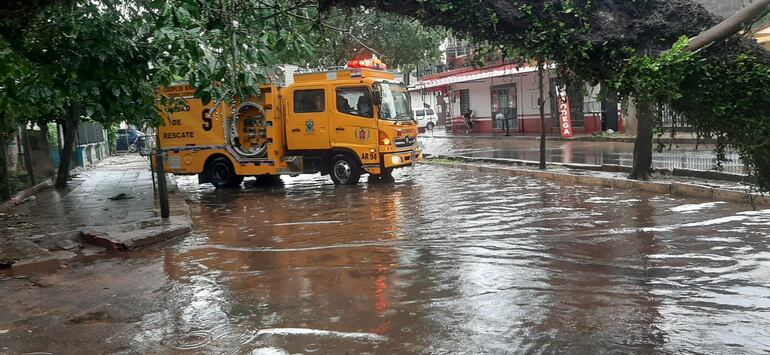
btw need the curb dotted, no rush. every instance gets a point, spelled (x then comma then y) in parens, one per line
(612, 168)
(671, 188)
(24, 194)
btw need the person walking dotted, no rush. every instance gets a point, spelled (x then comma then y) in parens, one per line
(467, 120)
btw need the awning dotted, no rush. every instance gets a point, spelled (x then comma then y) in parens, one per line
(486, 73)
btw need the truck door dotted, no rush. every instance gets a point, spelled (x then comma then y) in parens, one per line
(307, 123)
(355, 126)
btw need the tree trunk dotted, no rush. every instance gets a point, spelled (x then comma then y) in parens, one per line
(27, 156)
(643, 142)
(5, 191)
(70, 133)
(541, 103)
(731, 25)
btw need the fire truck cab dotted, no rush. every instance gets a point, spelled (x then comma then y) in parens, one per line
(342, 122)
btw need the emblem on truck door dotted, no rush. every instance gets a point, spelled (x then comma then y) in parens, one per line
(309, 127)
(362, 134)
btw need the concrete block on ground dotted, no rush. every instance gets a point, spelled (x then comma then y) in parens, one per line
(133, 235)
(16, 250)
(692, 190)
(35, 265)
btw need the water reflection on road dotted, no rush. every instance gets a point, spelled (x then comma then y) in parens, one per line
(457, 261)
(617, 153)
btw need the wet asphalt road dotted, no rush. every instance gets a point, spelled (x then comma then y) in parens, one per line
(445, 260)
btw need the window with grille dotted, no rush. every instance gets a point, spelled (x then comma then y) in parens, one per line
(465, 101)
(503, 101)
(575, 93)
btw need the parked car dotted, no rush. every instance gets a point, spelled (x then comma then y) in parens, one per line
(426, 117)
(130, 140)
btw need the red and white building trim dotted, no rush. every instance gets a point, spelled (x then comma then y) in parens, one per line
(513, 90)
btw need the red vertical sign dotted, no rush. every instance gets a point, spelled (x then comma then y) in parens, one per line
(565, 116)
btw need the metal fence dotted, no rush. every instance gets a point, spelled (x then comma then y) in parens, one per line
(89, 132)
(698, 161)
(670, 118)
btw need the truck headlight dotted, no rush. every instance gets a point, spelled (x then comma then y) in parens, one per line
(396, 160)
(383, 138)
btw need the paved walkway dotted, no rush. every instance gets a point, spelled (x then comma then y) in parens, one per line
(55, 217)
(681, 137)
(681, 156)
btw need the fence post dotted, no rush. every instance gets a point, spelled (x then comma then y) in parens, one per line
(162, 188)
(27, 155)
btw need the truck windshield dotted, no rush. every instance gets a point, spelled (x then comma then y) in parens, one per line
(395, 102)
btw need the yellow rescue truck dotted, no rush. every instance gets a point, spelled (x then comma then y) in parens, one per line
(342, 122)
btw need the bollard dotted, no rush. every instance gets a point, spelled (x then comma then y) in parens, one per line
(162, 189)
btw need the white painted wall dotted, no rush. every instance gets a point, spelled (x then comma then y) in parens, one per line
(527, 94)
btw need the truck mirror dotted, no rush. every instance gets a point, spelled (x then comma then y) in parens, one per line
(376, 97)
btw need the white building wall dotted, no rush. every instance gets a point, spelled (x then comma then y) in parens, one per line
(418, 99)
(480, 99)
(527, 95)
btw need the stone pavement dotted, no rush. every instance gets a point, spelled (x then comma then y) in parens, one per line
(50, 225)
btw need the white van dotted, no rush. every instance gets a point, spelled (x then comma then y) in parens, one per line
(426, 117)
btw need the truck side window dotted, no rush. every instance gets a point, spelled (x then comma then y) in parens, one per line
(309, 101)
(355, 101)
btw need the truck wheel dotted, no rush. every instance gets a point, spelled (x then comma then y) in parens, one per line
(222, 173)
(430, 126)
(386, 175)
(345, 170)
(268, 180)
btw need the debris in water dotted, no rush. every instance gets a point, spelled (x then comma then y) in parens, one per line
(120, 196)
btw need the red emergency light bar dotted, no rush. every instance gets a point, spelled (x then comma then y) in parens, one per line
(372, 63)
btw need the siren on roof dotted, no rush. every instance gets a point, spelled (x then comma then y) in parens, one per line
(367, 63)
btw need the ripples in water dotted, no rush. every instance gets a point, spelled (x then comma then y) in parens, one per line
(473, 262)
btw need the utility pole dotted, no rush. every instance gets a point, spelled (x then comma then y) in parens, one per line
(27, 155)
(541, 104)
(5, 190)
(161, 173)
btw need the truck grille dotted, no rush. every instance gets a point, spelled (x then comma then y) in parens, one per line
(405, 142)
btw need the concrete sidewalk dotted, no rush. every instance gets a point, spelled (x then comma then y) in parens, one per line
(49, 226)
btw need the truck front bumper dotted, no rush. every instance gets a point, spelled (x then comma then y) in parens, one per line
(401, 159)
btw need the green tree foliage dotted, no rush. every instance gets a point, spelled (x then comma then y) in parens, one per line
(400, 42)
(724, 93)
(87, 53)
(222, 47)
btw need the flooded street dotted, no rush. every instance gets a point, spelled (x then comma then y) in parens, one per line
(450, 261)
(446, 260)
